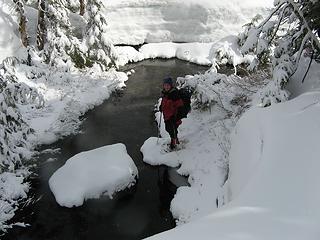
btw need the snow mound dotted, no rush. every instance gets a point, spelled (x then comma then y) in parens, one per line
(274, 177)
(193, 52)
(198, 53)
(90, 174)
(154, 152)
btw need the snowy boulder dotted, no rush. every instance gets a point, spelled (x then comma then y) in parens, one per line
(155, 152)
(90, 174)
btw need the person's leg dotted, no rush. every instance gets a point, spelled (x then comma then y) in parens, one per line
(172, 130)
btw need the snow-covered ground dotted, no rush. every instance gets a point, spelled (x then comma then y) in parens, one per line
(135, 22)
(67, 96)
(90, 174)
(273, 178)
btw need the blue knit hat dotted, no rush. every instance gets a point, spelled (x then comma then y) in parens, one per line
(168, 80)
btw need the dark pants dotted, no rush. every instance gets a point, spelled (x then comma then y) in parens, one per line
(172, 128)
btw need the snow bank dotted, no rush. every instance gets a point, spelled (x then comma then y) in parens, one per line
(135, 22)
(192, 52)
(311, 82)
(67, 96)
(204, 137)
(200, 159)
(13, 190)
(198, 53)
(223, 51)
(274, 177)
(10, 44)
(90, 174)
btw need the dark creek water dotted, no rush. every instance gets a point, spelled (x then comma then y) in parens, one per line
(136, 213)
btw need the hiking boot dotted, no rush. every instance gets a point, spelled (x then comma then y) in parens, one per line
(173, 143)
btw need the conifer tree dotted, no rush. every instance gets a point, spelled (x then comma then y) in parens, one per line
(280, 40)
(41, 26)
(98, 46)
(19, 7)
(14, 131)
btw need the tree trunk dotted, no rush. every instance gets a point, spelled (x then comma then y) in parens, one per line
(82, 7)
(22, 23)
(41, 24)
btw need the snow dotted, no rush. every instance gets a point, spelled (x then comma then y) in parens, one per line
(197, 159)
(10, 44)
(273, 177)
(268, 150)
(13, 190)
(67, 93)
(224, 51)
(311, 82)
(90, 174)
(201, 32)
(134, 22)
(205, 143)
(67, 96)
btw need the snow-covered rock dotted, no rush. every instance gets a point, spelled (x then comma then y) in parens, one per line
(274, 177)
(90, 174)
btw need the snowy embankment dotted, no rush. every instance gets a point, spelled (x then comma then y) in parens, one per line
(198, 53)
(205, 142)
(224, 51)
(274, 177)
(90, 174)
(67, 96)
(189, 30)
(10, 44)
(134, 22)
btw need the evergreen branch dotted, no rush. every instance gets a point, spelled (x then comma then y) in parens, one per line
(278, 24)
(306, 73)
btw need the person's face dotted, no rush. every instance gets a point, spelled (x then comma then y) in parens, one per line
(167, 87)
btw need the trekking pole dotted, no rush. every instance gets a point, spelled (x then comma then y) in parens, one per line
(159, 128)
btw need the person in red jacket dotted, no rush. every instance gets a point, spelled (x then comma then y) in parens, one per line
(170, 103)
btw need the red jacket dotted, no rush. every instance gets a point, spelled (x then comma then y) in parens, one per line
(170, 104)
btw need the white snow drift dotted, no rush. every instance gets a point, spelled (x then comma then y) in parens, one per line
(10, 44)
(274, 177)
(90, 174)
(138, 21)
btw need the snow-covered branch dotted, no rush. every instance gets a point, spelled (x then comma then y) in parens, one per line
(280, 41)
